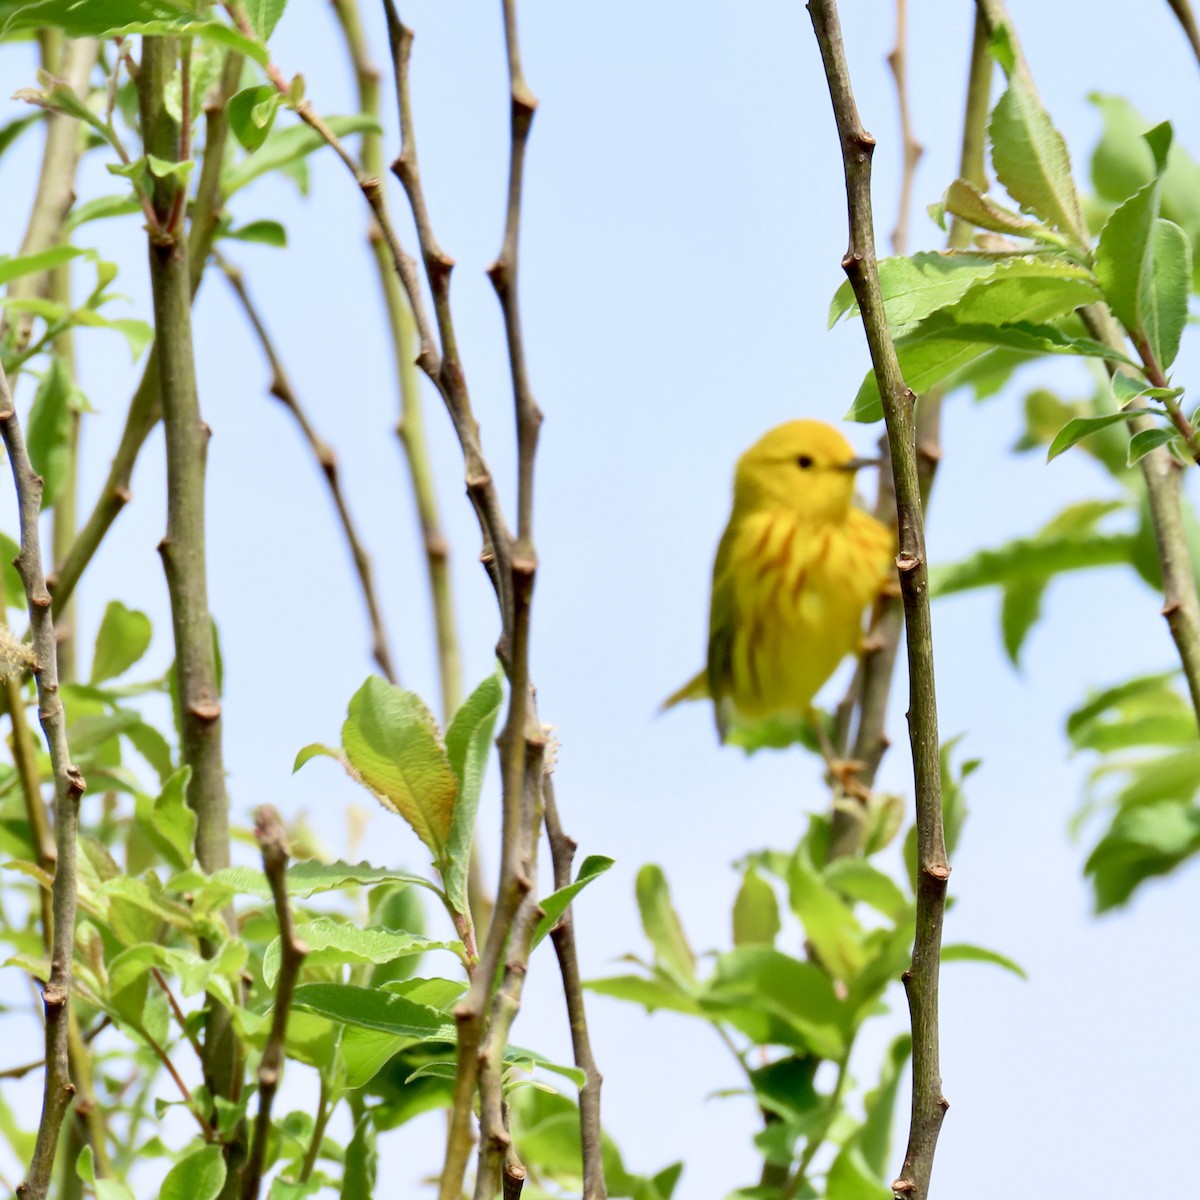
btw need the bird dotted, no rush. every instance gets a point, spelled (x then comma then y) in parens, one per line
(796, 568)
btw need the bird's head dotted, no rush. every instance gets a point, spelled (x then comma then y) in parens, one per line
(804, 466)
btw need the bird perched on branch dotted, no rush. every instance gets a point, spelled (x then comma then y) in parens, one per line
(796, 568)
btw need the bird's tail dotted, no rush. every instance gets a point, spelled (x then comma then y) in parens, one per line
(696, 688)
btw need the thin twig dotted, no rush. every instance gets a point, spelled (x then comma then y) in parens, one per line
(324, 1108)
(898, 61)
(1187, 18)
(272, 841)
(281, 388)
(562, 851)
(176, 1010)
(68, 789)
(921, 980)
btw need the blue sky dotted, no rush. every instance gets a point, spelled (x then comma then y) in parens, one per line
(684, 224)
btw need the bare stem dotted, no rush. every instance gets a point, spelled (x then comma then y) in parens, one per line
(1187, 19)
(183, 547)
(562, 851)
(68, 790)
(281, 388)
(272, 840)
(898, 61)
(933, 871)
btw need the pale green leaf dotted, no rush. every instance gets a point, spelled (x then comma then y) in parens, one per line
(123, 637)
(554, 905)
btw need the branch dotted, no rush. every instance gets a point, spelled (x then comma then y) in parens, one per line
(183, 548)
(898, 61)
(281, 388)
(562, 851)
(1187, 19)
(921, 981)
(872, 684)
(68, 789)
(144, 409)
(272, 840)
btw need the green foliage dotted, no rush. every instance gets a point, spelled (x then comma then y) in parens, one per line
(252, 113)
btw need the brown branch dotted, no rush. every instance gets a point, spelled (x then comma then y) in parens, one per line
(176, 1010)
(921, 980)
(562, 851)
(898, 61)
(872, 683)
(1158, 378)
(1187, 19)
(68, 790)
(272, 840)
(281, 388)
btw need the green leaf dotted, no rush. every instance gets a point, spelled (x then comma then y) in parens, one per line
(785, 1087)
(755, 912)
(1030, 560)
(198, 1176)
(961, 952)
(861, 881)
(168, 821)
(331, 941)
(651, 994)
(267, 233)
(105, 1189)
(138, 334)
(1122, 162)
(965, 201)
(554, 905)
(101, 208)
(371, 1009)
(1142, 842)
(35, 264)
(776, 998)
(362, 1161)
(307, 878)
(264, 15)
(287, 146)
(1145, 441)
(49, 429)
(850, 1178)
(123, 637)
(662, 925)
(315, 750)
(1078, 428)
(1031, 160)
(468, 747)
(251, 114)
(874, 1136)
(11, 130)
(829, 923)
(392, 741)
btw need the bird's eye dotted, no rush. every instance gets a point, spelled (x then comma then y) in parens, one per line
(804, 461)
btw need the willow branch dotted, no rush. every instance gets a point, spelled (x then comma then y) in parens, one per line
(1187, 19)
(145, 408)
(68, 789)
(921, 980)
(281, 388)
(183, 547)
(272, 841)
(898, 61)
(1161, 471)
(562, 852)
(873, 682)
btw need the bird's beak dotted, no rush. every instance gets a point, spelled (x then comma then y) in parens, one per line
(857, 464)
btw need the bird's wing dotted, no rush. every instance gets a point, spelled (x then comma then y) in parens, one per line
(722, 622)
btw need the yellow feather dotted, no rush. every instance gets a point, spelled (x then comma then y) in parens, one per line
(796, 568)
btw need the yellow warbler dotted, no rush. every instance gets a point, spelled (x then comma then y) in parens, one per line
(796, 568)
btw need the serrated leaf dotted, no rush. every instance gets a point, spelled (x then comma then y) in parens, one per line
(372, 1009)
(123, 637)
(264, 15)
(308, 878)
(965, 201)
(392, 741)
(1031, 160)
(468, 747)
(554, 905)
(336, 942)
